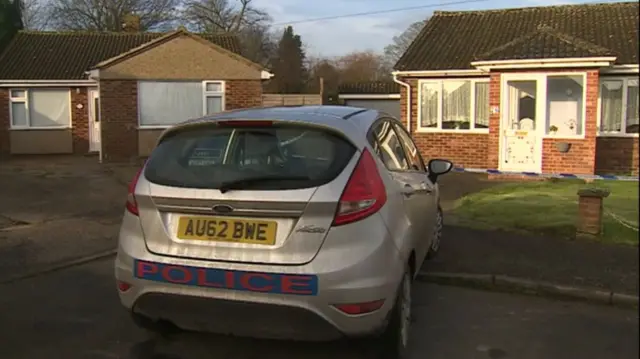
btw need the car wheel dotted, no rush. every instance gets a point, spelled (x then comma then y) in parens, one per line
(395, 338)
(437, 234)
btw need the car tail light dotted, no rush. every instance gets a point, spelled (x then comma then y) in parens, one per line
(360, 308)
(364, 193)
(132, 205)
(123, 286)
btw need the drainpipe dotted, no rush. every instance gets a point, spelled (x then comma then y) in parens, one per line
(408, 102)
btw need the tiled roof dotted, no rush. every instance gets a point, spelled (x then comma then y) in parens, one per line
(374, 87)
(452, 40)
(545, 43)
(67, 55)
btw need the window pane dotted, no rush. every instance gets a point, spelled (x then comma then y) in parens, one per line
(456, 105)
(49, 108)
(299, 156)
(18, 93)
(564, 105)
(18, 114)
(632, 107)
(482, 105)
(168, 103)
(214, 104)
(429, 105)
(411, 150)
(611, 106)
(390, 151)
(214, 86)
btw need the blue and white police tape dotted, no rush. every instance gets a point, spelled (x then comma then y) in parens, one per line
(547, 175)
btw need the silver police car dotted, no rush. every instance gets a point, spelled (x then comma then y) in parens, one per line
(302, 223)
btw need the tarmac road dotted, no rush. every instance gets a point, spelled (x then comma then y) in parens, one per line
(75, 313)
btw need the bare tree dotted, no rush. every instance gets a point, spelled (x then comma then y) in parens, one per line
(258, 43)
(224, 15)
(400, 44)
(34, 15)
(328, 70)
(110, 15)
(361, 67)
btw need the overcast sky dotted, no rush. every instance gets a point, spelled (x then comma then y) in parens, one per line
(370, 32)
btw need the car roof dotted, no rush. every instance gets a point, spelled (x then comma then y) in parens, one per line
(354, 122)
(319, 114)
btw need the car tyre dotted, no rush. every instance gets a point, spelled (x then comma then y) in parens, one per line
(394, 340)
(437, 234)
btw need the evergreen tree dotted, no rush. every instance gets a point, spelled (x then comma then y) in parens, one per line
(288, 65)
(10, 20)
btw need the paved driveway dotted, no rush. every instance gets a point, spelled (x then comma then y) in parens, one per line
(57, 208)
(76, 314)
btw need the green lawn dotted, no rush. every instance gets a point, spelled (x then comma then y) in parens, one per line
(550, 208)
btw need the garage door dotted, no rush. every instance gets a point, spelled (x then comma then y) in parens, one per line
(389, 106)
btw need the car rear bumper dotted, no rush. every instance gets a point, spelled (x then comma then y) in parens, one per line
(237, 317)
(368, 273)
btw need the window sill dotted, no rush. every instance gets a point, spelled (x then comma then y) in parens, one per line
(461, 132)
(39, 128)
(616, 134)
(564, 137)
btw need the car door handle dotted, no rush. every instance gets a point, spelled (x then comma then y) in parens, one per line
(408, 190)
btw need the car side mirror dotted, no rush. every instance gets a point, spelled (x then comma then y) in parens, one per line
(438, 167)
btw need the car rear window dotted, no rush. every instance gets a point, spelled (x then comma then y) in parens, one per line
(288, 157)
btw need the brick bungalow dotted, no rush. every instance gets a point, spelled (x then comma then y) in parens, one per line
(543, 89)
(113, 93)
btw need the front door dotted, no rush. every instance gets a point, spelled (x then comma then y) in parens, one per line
(94, 120)
(522, 123)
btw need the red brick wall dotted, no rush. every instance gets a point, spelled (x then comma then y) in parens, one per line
(466, 150)
(80, 120)
(119, 117)
(4, 121)
(243, 94)
(617, 155)
(581, 158)
(493, 142)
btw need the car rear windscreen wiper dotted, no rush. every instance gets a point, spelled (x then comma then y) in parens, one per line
(241, 183)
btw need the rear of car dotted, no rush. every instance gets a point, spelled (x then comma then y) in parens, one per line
(268, 228)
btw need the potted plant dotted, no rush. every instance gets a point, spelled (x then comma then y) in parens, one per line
(563, 147)
(553, 129)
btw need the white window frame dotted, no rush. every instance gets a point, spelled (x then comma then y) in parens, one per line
(543, 84)
(623, 126)
(472, 106)
(206, 94)
(25, 100)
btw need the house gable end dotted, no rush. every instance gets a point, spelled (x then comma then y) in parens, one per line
(181, 57)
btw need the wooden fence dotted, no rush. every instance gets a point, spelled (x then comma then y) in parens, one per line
(291, 99)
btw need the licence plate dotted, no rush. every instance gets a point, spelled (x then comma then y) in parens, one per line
(225, 229)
